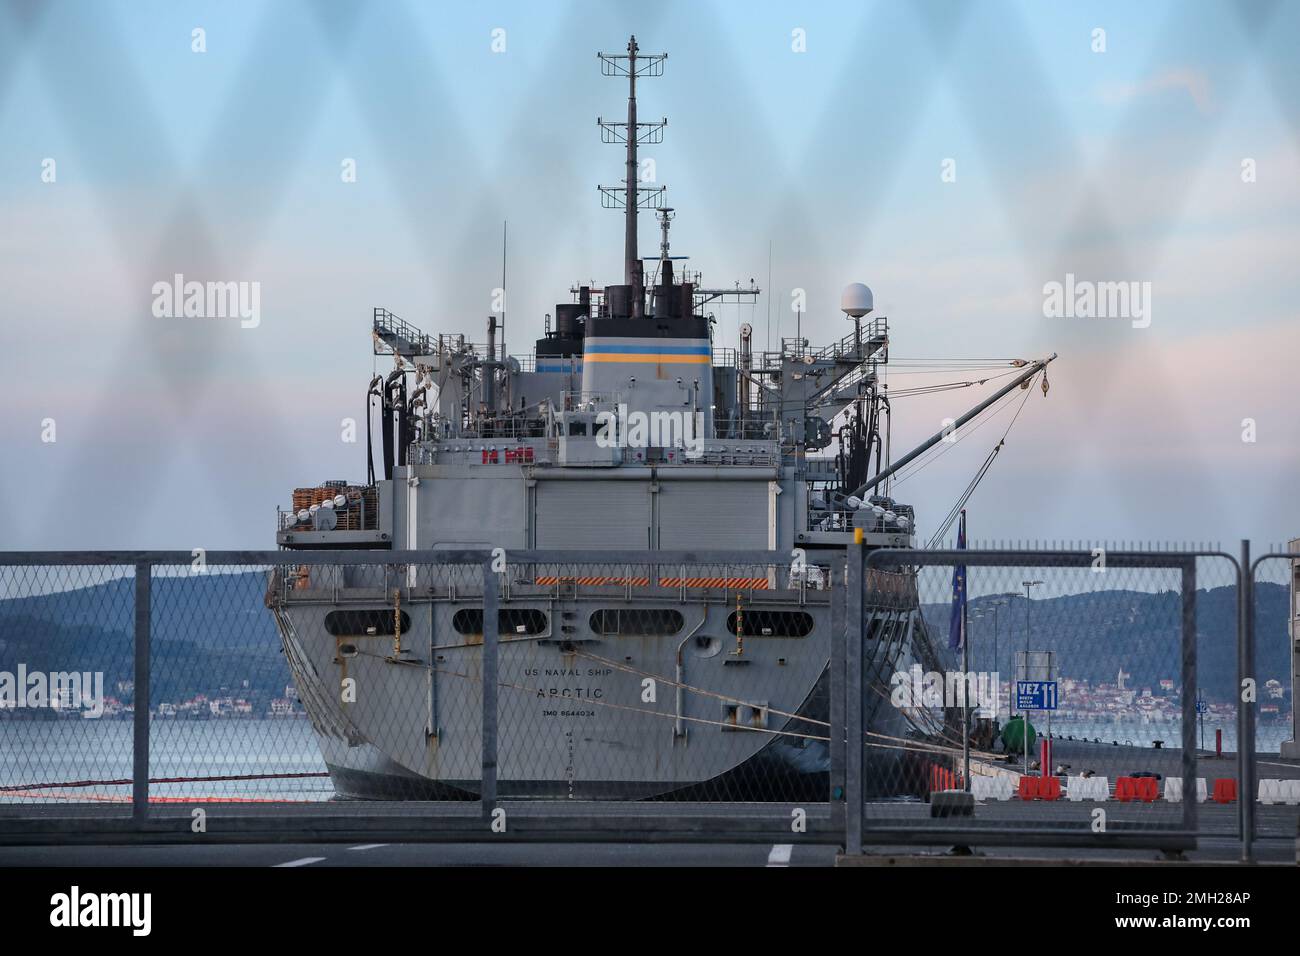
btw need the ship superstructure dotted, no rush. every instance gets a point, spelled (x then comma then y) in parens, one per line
(626, 428)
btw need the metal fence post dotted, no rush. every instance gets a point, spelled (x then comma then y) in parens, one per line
(490, 604)
(1190, 754)
(838, 641)
(855, 737)
(1245, 710)
(140, 692)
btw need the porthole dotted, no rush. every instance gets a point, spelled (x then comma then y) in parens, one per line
(357, 621)
(636, 622)
(513, 620)
(765, 623)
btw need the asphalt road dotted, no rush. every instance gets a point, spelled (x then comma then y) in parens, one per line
(1213, 848)
(422, 854)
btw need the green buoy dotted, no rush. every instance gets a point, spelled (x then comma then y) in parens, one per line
(1013, 735)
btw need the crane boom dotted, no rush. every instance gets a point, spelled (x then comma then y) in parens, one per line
(1034, 368)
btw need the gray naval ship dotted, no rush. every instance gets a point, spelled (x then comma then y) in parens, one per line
(626, 428)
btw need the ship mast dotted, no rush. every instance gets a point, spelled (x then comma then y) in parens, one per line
(632, 134)
(630, 257)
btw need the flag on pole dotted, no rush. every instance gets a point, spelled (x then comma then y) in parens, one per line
(956, 631)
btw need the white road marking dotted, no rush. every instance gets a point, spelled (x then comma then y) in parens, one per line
(305, 861)
(780, 855)
(368, 846)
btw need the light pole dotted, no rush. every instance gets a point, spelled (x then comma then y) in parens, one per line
(1025, 716)
(997, 689)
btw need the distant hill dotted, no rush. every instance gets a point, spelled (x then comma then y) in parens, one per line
(211, 634)
(1097, 634)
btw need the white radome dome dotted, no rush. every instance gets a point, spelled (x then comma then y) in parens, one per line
(856, 300)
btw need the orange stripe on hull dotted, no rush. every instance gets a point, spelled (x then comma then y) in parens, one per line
(748, 584)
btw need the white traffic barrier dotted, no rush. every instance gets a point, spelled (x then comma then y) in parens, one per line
(1087, 788)
(1279, 791)
(991, 788)
(1174, 789)
(1270, 791)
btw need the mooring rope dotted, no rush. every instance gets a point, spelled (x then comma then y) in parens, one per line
(699, 690)
(637, 710)
(896, 743)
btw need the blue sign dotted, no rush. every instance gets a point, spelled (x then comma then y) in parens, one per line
(1036, 695)
(1202, 707)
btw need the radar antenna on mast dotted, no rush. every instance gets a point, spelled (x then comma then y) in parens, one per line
(665, 219)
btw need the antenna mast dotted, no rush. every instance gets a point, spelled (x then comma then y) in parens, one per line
(632, 134)
(504, 224)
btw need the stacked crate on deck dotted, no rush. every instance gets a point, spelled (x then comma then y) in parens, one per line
(362, 500)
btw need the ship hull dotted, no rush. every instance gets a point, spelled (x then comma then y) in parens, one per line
(691, 713)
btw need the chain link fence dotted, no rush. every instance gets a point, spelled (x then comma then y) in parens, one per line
(1091, 698)
(1083, 698)
(66, 683)
(1271, 654)
(354, 690)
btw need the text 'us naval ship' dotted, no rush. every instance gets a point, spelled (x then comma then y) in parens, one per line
(627, 428)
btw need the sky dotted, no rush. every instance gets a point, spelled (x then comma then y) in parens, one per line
(957, 157)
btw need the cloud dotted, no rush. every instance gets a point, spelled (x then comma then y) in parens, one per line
(1192, 82)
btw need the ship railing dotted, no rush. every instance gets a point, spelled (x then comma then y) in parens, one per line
(874, 335)
(655, 578)
(394, 334)
(762, 458)
(842, 519)
(497, 429)
(359, 513)
(752, 428)
(458, 344)
(577, 399)
(477, 349)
